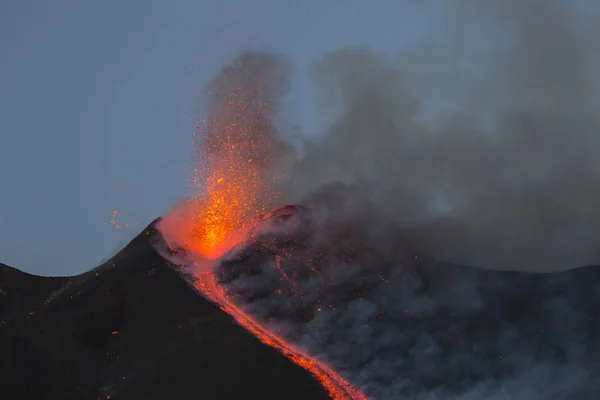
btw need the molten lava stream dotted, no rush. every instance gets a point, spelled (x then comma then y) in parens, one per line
(234, 182)
(338, 387)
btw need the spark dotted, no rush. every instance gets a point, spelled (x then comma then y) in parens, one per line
(233, 183)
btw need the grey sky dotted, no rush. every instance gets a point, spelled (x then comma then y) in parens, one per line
(100, 94)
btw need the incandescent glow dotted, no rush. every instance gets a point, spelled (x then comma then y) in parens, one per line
(233, 179)
(337, 387)
(233, 186)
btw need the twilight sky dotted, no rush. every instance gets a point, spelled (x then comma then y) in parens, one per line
(95, 95)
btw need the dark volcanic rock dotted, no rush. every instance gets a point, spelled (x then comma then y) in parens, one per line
(131, 329)
(400, 325)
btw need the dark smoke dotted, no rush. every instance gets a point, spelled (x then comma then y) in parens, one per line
(479, 147)
(401, 326)
(484, 148)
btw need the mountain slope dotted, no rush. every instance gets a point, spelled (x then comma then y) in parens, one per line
(401, 325)
(131, 329)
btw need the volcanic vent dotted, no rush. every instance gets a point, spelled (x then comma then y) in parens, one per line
(397, 324)
(239, 154)
(132, 329)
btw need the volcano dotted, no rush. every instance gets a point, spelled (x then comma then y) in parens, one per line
(135, 327)
(399, 324)
(132, 329)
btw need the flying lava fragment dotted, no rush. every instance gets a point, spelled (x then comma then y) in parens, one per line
(233, 186)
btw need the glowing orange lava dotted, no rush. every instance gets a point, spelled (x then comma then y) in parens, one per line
(234, 183)
(337, 387)
(234, 176)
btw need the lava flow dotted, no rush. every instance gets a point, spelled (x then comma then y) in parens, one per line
(337, 387)
(234, 186)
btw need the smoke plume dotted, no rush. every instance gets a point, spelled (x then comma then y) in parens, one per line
(485, 150)
(479, 147)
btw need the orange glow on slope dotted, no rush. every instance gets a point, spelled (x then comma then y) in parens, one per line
(337, 387)
(233, 174)
(234, 186)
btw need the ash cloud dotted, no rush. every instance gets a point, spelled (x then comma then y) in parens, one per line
(484, 148)
(481, 149)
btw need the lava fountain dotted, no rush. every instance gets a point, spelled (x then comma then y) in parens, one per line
(233, 177)
(233, 186)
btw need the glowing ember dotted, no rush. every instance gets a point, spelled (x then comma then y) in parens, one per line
(233, 173)
(338, 387)
(234, 187)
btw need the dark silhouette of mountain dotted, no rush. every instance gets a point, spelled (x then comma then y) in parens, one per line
(132, 329)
